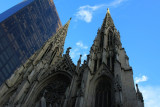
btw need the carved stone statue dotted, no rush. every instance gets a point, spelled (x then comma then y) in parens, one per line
(68, 50)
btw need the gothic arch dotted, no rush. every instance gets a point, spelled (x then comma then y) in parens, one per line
(52, 88)
(110, 29)
(110, 37)
(6, 99)
(54, 54)
(103, 96)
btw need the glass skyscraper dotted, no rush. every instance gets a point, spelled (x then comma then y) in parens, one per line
(23, 30)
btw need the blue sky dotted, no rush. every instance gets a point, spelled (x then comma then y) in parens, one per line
(138, 22)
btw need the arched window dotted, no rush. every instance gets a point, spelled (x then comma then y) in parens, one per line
(100, 62)
(48, 49)
(53, 54)
(108, 61)
(102, 40)
(95, 65)
(54, 93)
(103, 94)
(110, 36)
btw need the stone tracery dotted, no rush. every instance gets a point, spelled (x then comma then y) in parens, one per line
(54, 92)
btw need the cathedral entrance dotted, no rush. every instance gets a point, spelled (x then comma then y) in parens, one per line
(53, 94)
(103, 93)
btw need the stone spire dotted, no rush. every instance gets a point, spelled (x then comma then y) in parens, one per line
(64, 34)
(54, 46)
(102, 50)
(108, 20)
(107, 25)
(78, 63)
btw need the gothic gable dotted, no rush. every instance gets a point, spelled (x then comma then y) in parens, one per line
(104, 71)
(65, 64)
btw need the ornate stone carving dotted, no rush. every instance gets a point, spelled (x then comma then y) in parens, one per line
(54, 93)
(117, 84)
(68, 50)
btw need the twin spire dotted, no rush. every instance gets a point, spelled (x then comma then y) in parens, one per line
(63, 31)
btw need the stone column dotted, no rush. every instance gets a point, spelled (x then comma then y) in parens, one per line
(43, 102)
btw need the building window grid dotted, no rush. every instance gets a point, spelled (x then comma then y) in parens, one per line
(1, 77)
(5, 73)
(10, 38)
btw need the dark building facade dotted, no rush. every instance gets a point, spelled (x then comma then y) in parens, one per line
(49, 78)
(23, 30)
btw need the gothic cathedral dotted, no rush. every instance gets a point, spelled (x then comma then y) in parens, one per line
(49, 78)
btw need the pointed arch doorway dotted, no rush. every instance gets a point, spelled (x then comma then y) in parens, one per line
(103, 93)
(53, 94)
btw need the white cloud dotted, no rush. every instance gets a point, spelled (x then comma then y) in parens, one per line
(88, 7)
(85, 15)
(141, 79)
(74, 53)
(86, 12)
(81, 45)
(116, 3)
(151, 95)
(84, 56)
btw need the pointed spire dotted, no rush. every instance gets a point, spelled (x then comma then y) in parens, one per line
(60, 35)
(108, 11)
(49, 50)
(62, 32)
(78, 63)
(65, 27)
(68, 50)
(137, 88)
(107, 20)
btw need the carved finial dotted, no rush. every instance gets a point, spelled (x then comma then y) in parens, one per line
(78, 64)
(108, 10)
(68, 50)
(137, 87)
(80, 59)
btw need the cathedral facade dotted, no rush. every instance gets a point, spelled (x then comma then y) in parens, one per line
(50, 79)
